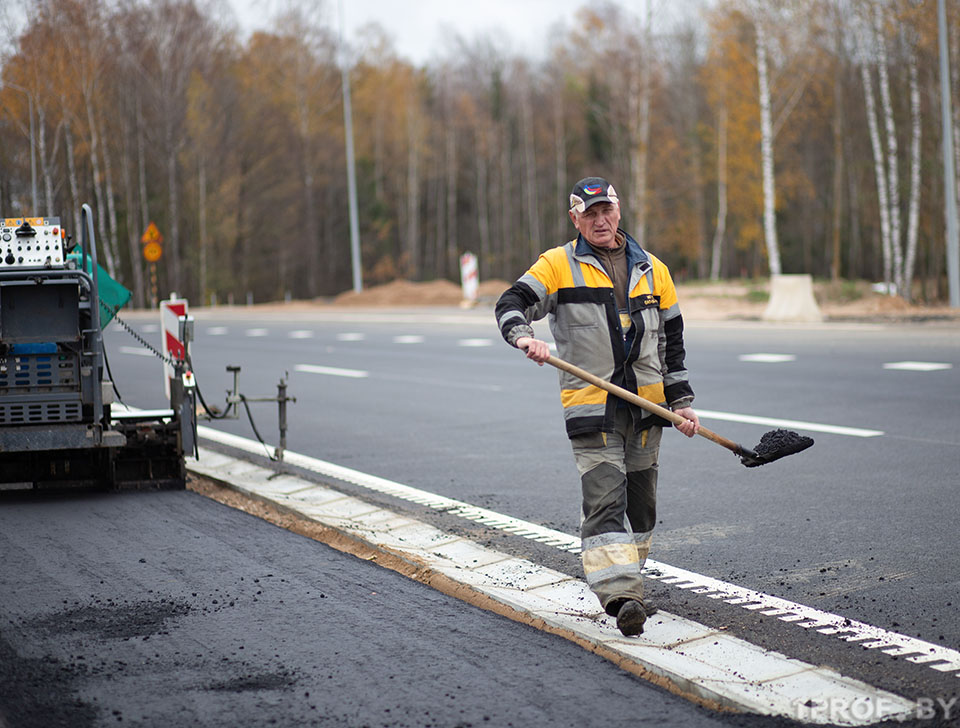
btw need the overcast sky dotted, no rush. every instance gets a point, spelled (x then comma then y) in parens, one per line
(419, 28)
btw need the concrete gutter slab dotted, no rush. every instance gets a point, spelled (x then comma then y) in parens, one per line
(694, 660)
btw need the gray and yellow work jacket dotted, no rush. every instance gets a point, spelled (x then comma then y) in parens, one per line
(640, 350)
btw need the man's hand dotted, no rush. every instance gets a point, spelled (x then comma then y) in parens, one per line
(538, 351)
(692, 424)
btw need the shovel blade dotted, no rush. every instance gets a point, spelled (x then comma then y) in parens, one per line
(774, 445)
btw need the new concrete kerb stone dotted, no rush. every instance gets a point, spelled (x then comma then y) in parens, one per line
(696, 660)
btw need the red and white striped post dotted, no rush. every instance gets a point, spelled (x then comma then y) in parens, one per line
(170, 313)
(469, 278)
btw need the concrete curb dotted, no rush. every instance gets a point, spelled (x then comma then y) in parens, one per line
(690, 659)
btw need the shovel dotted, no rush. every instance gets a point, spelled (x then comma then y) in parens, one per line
(773, 445)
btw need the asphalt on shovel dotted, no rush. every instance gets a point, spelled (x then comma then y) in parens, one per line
(773, 445)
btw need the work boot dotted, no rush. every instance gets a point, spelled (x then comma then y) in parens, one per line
(631, 617)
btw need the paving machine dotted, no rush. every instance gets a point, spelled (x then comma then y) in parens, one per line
(57, 426)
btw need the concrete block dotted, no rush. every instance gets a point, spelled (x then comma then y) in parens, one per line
(792, 301)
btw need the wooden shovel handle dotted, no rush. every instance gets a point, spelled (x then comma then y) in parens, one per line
(641, 402)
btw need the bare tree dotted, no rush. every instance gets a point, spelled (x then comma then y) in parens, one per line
(448, 250)
(892, 165)
(913, 219)
(837, 12)
(639, 109)
(721, 229)
(175, 43)
(864, 42)
(529, 164)
(766, 151)
(412, 247)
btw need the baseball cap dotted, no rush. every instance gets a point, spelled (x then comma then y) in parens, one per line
(591, 190)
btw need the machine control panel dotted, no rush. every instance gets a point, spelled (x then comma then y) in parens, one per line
(31, 242)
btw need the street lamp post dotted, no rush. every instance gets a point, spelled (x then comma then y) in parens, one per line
(949, 178)
(351, 167)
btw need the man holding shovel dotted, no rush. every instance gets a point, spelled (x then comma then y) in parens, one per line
(613, 312)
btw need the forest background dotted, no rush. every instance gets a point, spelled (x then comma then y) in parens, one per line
(746, 138)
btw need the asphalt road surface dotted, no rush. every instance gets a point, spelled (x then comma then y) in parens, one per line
(864, 524)
(169, 609)
(451, 409)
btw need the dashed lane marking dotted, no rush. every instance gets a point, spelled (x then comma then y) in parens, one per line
(891, 643)
(408, 339)
(918, 366)
(135, 351)
(257, 332)
(351, 336)
(697, 661)
(475, 342)
(301, 334)
(793, 424)
(218, 331)
(150, 328)
(332, 371)
(767, 358)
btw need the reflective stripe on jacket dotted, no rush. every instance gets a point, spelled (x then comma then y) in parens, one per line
(569, 284)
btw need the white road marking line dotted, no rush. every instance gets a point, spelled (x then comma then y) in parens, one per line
(700, 661)
(918, 366)
(408, 339)
(475, 342)
(150, 328)
(218, 331)
(767, 358)
(257, 332)
(332, 371)
(301, 334)
(935, 656)
(794, 424)
(135, 350)
(351, 336)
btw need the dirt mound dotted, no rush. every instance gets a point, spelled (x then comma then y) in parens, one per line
(404, 293)
(875, 304)
(737, 301)
(720, 308)
(491, 290)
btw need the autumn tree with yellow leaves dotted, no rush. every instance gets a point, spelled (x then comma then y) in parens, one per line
(234, 146)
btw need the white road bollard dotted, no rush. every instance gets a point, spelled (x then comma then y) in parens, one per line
(792, 301)
(170, 312)
(469, 279)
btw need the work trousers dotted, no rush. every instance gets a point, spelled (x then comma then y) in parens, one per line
(618, 478)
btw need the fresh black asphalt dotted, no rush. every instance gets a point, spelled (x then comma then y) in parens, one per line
(169, 609)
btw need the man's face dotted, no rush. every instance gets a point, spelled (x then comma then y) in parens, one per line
(598, 224)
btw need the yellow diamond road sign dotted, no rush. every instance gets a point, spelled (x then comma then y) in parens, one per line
(151, 235)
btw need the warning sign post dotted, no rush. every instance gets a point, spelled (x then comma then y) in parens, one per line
(152, 241)
(170, 313)
(469, 278)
